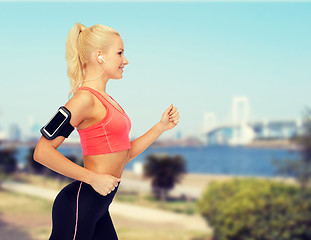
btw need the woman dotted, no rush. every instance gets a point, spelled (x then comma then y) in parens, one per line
(80, 211)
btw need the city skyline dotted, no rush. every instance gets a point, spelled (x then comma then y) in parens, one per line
(209, 122)
(197, 56)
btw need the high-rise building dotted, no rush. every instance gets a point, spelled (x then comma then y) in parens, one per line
(14, 132)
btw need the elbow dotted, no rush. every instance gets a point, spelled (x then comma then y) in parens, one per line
(130, 158)
(131, 155)
(37, 154)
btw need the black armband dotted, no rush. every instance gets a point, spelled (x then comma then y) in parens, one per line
(59, 125)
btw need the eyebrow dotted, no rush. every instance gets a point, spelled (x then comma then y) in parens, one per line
(122, 49)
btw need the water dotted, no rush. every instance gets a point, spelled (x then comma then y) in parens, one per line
(223, 160)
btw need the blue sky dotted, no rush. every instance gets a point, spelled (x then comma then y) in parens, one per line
(197, 56)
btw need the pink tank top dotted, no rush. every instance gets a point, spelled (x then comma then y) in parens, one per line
(109, 135)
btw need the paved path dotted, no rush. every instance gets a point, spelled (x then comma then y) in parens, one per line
(144, 186)
(123, 209)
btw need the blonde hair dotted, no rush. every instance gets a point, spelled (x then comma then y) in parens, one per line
(80, 42)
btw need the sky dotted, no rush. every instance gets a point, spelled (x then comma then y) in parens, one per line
(194, 55)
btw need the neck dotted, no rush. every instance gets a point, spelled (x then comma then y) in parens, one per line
(98, 84)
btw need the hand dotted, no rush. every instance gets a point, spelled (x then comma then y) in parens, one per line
(169, 118)
(104, 183)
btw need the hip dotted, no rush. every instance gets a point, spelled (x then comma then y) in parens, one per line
(88, 197)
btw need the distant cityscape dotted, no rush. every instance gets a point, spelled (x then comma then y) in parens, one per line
(240, 131)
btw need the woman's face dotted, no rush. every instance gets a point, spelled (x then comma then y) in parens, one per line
(114, 59)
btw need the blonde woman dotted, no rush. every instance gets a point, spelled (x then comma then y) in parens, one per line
(80, 211)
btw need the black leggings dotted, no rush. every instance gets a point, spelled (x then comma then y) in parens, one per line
(81, 213)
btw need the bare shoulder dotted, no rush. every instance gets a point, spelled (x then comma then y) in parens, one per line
(80, 107)
(82, 97)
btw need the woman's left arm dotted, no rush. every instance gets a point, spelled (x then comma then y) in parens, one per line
(168, 121)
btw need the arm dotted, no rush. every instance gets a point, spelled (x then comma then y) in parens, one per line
(143, 142)
(47, 154)
(169, 120)
(46, 150)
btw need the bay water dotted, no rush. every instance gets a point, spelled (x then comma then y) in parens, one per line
(224, 160)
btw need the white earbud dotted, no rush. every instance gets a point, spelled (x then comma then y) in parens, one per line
(101, 58)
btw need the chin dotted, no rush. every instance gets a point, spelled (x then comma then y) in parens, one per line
(117, 77)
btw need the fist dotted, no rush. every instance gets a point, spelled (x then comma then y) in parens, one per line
(169, 118)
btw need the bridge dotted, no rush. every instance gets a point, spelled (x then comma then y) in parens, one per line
(241, 131)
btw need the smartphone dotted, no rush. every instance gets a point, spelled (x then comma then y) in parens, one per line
(55, 123)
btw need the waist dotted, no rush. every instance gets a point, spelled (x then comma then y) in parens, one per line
(110, 163)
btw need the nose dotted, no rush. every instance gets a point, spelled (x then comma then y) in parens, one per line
(125, 62)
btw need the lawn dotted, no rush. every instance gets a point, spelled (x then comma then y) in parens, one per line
(23, 217)
(138, 198)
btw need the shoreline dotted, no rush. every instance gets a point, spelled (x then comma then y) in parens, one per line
(274, 144)
(191, 185)
(201, 180)
(264, 144)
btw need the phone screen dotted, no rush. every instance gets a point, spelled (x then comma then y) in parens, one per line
(55, 122)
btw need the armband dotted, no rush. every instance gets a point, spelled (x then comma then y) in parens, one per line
(59, 125)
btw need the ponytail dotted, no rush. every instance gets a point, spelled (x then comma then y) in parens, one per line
(80, 42)
(74, 64)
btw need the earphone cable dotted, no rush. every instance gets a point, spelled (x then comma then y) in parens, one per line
(85, 80)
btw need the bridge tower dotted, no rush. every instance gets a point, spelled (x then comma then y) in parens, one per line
(240, 110)
(209, 123)
(242, 132)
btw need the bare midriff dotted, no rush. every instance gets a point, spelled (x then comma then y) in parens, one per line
(109, 163)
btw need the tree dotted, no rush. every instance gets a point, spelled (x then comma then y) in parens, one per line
(8, 162)
(38, 168)
(165, 171)
(31, 164)
(300, 168)
(253, 209)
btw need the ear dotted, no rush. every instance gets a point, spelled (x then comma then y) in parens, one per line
(97, 54)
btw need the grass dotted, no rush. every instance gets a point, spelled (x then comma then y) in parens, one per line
(142, 199)
(40, 180)
(18, 203)
(25, 213)
(163, 234)
(31, 217)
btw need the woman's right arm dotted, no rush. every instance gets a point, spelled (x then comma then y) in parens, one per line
(46, 150)
(46, 153)
(80, 106)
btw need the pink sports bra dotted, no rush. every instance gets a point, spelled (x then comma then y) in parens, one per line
(109, 135)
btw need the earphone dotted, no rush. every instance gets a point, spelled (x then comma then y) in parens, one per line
(99, 74)
(101, 58)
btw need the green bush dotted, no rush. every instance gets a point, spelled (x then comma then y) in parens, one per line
(249, 209)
